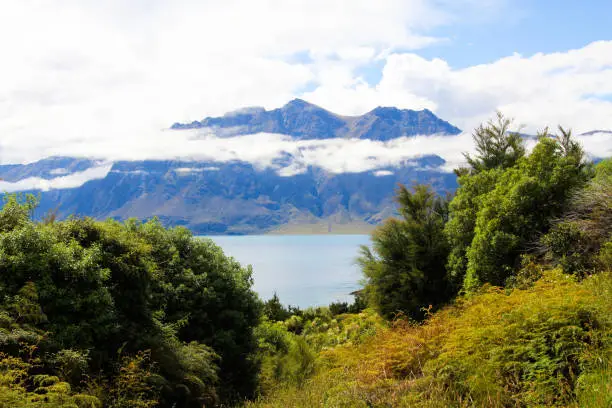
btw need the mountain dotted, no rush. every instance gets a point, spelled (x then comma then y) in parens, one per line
(46, 169)
(237, 198)
(303, 121)
(244, 197)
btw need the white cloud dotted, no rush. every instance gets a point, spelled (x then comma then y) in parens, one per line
(190, 170)
(281, 153)
(70, 181)
(80, 71)
(131, 172)
(100, 79)
(59, 172)
(570, 88)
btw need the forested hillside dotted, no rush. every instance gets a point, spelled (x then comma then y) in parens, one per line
(497, 296)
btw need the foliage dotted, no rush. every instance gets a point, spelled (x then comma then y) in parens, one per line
(497, 147)
(17, 210)
(20, 387)
(91, 294)
(460, 228)
(585, 227)
(547, 345)
(500, 211)
(274, 310)
(406, 272)
(289, 358)
(131, 388)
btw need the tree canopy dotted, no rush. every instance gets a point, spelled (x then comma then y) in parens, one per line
(405, 272)
(107, 290)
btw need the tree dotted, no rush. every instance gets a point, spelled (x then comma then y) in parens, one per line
(526, 198)
(274, 310)
(109, 290)
(406, 270)
(497, 149)
(497, 146)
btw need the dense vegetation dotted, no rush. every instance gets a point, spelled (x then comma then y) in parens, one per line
(121, 312)
(497, 296)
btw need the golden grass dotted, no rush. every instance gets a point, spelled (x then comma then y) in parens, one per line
(548, 345)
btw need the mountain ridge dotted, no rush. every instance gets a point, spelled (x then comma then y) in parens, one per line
(238, 196)
(303, 121)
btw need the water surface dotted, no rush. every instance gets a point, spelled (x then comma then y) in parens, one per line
(304, 270)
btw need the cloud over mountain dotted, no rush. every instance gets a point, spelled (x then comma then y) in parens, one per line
(86, 75)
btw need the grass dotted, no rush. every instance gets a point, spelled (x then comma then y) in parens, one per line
(548, 345)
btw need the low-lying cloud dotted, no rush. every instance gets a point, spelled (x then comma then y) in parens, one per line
(281, 153)
(69, 181)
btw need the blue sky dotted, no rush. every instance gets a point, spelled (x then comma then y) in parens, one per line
(526, 27)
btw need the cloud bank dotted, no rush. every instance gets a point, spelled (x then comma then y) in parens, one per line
(73, 180)
(281, 153)
(102, 78)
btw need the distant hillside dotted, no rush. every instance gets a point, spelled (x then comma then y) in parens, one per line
(236, 198)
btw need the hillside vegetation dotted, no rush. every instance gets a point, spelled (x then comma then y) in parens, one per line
(548, 345)
(497, 296)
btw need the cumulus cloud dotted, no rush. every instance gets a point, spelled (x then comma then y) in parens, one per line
(570, 88)
(87, 70)
(70, 181)
(100, 79)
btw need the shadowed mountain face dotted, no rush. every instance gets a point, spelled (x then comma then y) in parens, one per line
(303, 120)
(237, 197)
(45, 169)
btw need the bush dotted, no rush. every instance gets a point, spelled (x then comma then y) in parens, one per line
(547, 345)
(576, 239)
(104, 289)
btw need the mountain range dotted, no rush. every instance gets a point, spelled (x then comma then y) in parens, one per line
(304, 121)
(240, 196)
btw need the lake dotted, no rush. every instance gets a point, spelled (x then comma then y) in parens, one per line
(304, 270)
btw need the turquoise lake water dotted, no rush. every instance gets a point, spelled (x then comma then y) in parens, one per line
(304, 270)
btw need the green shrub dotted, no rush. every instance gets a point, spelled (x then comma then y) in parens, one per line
(88, 292)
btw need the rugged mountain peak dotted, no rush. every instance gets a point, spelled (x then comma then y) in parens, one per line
(304, 120)
(385, 111)
(298, 103)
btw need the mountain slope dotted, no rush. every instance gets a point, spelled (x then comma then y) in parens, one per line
(236, 198)
(243, 195)
(303, 120)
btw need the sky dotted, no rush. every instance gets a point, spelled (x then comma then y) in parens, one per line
(106, 79)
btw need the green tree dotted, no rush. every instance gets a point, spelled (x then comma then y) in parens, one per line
(109, 290)
(274, 310)
(497, 146)
(497, 149)
(405, 272)
(525, 200)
